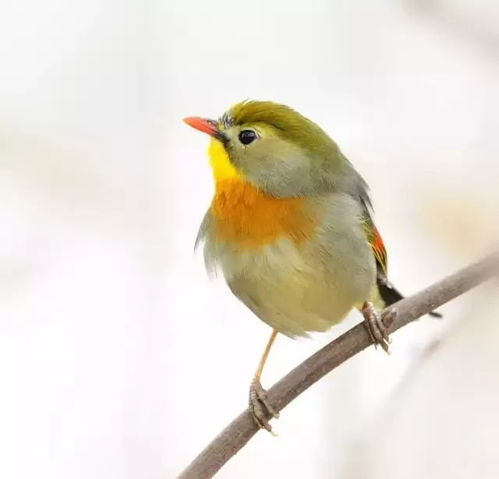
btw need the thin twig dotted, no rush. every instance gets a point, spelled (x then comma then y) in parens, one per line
(243, 428)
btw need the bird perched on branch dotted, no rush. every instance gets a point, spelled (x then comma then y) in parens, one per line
(291, 228)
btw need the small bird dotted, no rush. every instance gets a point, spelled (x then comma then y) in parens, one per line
(290, 226)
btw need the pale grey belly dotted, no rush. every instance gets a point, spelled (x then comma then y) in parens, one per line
(298, 289)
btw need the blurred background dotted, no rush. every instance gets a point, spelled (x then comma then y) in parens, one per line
(118, 357)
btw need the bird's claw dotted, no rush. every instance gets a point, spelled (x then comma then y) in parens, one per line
(259, 407)
(377, 325)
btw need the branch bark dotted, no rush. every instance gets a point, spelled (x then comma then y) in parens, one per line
(243, 428)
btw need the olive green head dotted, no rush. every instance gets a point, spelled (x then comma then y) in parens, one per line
(276, 148)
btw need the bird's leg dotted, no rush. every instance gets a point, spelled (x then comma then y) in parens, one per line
(258, 404)
(377, 325)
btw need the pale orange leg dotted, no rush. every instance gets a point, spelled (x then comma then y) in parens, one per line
(259, 406)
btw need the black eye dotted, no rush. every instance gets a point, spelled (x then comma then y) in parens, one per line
(247, 136)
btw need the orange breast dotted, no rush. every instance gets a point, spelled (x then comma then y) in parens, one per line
(247, 216)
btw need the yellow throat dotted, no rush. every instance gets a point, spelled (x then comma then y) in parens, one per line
(222, 168)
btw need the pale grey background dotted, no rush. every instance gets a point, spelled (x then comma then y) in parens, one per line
(118, 357)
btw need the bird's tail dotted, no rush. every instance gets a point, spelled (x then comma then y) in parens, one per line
(390, 295)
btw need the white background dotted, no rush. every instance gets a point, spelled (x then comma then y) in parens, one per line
(118, 357)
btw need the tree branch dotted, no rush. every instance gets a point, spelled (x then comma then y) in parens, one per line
(243, 428)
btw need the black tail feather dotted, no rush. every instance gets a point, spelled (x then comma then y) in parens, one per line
(390, 295)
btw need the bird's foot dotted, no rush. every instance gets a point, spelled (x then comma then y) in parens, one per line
(259, 407)
(377, 325)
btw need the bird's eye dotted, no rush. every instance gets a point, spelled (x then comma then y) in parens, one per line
(247, 136)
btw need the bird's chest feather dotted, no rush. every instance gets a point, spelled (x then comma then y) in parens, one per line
(296, 270)
(248, 218)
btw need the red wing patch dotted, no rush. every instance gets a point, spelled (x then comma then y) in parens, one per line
(377, 245)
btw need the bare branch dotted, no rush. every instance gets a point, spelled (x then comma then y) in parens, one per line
(243, 428)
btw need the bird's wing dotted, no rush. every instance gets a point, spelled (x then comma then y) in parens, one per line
(361, 191)
(357, 187)
(387, 291)
(376, 243)
(389, 294)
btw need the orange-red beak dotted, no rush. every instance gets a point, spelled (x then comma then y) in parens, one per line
(204, 125)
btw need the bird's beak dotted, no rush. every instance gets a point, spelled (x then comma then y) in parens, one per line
(206, 126)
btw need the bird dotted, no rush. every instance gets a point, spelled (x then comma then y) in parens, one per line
(291, 229)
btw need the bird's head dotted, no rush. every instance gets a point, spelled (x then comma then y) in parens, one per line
(273, 147)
